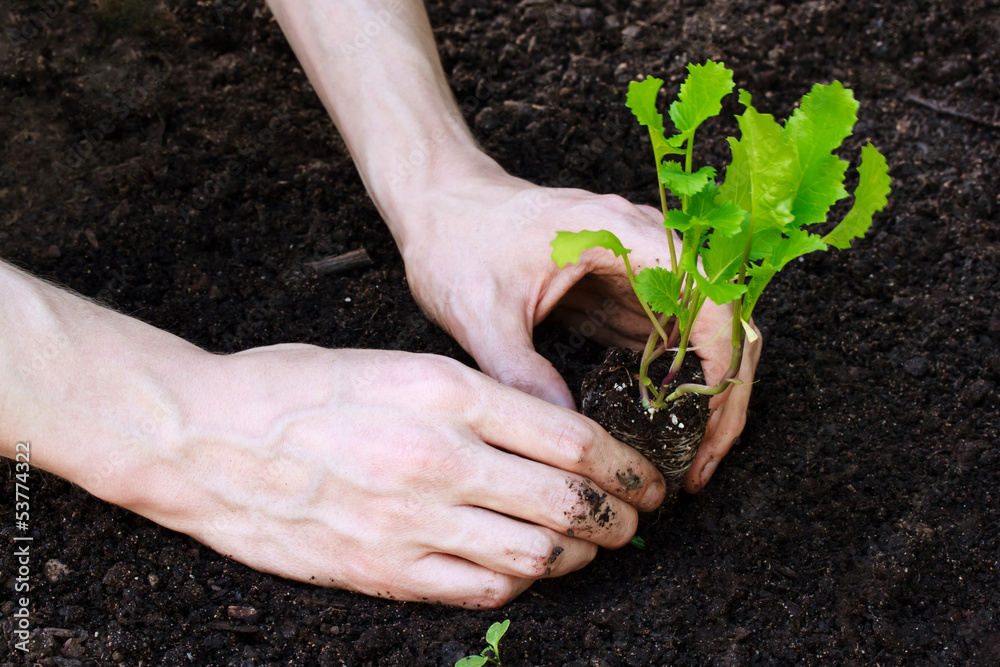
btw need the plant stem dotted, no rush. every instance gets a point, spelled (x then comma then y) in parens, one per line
(645, 306)
(663, 206)
(727, 379)
(688, 160)
(675, 367)
(647, 358)
(738, 337)
(663, 200)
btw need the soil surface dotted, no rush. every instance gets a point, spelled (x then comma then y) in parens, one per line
(858, 522)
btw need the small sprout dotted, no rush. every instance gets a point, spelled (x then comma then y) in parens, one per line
(490, 654)
(637, 542)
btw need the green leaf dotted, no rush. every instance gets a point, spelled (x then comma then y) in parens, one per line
(821, 186)
(677, 219)
(720, 292)
(660, 288)
(763, 244)
(798, 242)
(700, 97)
(823, 120)
(825, 117)
(724, 217)
(567, 246)
(472, 661)
(760, 275)
(641, 99)
(761, 177)
(681, 183)
(869, 198)
(723, 257)
(496, 631)
(677, 142)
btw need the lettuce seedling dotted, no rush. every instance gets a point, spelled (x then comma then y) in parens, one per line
(490, 654)
(782, 180)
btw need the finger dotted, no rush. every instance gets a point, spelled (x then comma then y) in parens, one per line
(567, 441)
(505, 351)
(563, 502)
(445, 579)
(726, 423)
(507, 546)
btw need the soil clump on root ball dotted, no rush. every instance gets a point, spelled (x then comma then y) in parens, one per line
(669, 437)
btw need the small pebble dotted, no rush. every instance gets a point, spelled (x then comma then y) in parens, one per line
(55, 571)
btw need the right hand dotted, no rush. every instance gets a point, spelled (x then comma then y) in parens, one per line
(394, 474)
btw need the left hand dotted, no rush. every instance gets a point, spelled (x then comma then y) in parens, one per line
(479, 263)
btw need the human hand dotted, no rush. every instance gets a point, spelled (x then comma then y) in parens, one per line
(394, 474)
(478, 261)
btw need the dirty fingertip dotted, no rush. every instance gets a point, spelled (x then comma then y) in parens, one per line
(653, 495)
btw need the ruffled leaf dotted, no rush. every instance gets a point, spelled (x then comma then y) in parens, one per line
(761, 178)
(567, 246)
(700, 98)
(683, 184)
(660, 288)
(870, 197)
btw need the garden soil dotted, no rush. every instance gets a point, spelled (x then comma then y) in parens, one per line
(856, 523)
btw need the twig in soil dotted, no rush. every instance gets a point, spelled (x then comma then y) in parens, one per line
(355, 259)
(935, 106)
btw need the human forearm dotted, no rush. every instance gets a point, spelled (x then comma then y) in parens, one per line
(95, 392)
(376, 69)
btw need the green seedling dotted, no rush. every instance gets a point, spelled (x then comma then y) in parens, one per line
(783, 179)
(490, 654)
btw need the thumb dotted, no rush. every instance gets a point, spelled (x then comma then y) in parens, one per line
(507, 354)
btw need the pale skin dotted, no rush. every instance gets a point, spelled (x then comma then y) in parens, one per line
(285, 459)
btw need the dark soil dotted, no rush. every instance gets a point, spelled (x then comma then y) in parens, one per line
(668, 437)
(857, 523)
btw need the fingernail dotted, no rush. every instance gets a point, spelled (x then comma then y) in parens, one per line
(708, 471)
(653, 496)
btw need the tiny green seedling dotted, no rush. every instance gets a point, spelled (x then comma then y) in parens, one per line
(490, 654)
(782, 180)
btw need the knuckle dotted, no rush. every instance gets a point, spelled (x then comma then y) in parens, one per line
(593, 514)
(538, 559)
(576, 442)
(617, 203)
(517, 378)
(414, 454)
(445, 381)
(496, 593)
